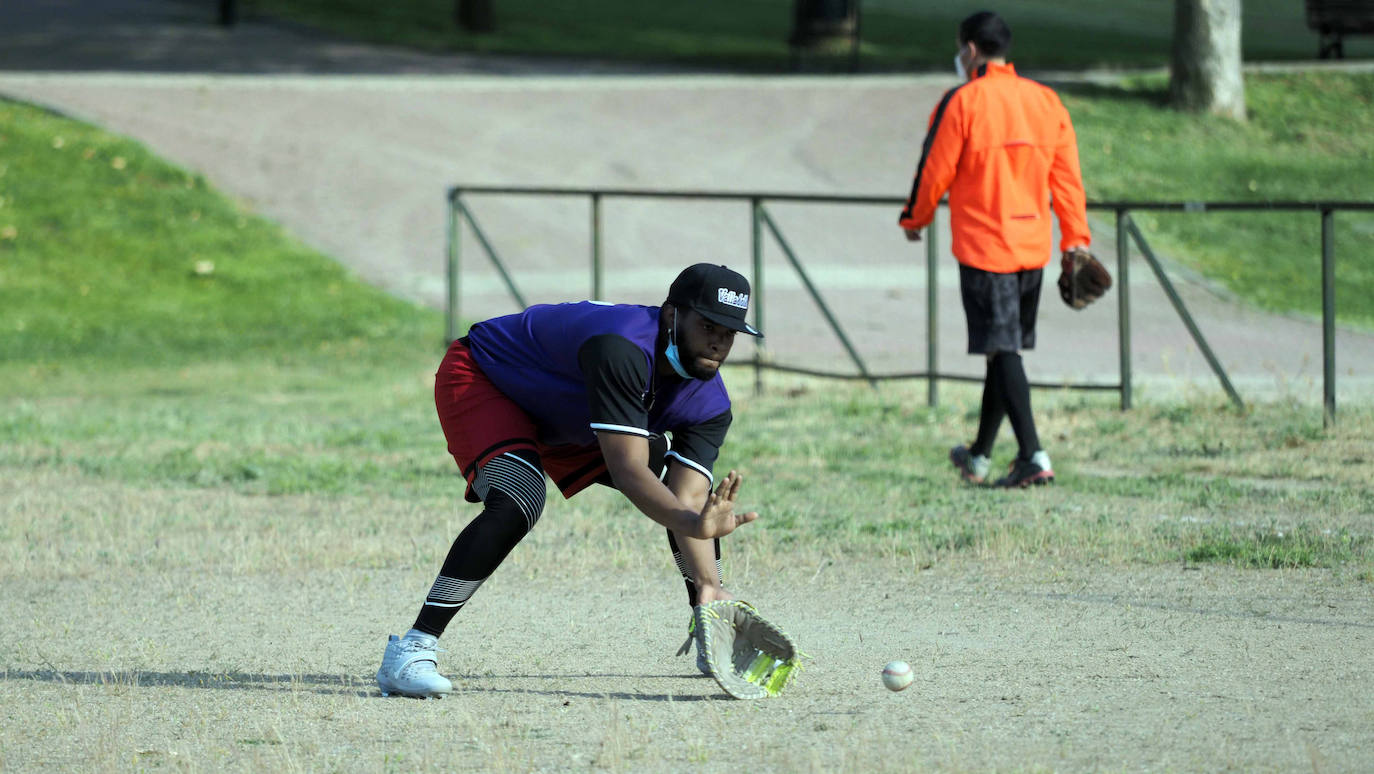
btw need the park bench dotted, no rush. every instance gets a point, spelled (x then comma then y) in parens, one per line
(1332, 20)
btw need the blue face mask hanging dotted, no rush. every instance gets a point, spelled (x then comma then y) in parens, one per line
(671, 353)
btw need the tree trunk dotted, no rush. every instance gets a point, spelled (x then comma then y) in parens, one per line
(475, 15)
(1205, 74)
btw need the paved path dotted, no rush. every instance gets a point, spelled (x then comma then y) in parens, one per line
(352, 147)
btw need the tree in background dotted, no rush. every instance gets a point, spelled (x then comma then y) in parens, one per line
(1205, 71)
(474, 15)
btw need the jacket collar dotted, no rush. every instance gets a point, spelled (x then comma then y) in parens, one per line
(992, 68)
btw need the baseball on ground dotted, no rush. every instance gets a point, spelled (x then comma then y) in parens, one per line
(897, 675)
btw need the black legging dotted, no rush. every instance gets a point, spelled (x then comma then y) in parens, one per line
(1006, 393)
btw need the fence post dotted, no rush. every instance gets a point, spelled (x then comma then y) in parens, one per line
(756, 231)
(596, 248)
(451, 270)
(932, 318)
(1328, 319)
(1123, 306)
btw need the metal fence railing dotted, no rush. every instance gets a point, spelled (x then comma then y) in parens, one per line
(1127, 232)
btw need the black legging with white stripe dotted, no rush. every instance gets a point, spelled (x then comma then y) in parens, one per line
(511, 486)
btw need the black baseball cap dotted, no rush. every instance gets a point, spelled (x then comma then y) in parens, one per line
(717, 293)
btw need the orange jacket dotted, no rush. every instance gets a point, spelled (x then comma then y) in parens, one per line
(1004, 148)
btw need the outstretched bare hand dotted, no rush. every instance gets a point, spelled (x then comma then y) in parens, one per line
(718, 517)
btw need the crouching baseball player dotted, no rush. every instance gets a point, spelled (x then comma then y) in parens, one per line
(589, 393)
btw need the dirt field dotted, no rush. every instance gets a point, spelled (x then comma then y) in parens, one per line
(193, 655)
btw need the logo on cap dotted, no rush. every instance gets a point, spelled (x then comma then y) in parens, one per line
(731, 298)
(716, 293)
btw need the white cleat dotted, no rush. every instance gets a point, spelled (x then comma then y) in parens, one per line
(409, 668)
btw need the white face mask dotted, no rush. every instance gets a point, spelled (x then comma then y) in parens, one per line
(959, 66)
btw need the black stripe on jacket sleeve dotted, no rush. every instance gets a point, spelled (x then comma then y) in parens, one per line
(925, 150)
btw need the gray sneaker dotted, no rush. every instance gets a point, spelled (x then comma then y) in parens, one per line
(973, 468)
(409, 669)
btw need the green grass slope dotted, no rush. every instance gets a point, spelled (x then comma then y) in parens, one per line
(111, 257)
(1309, 137)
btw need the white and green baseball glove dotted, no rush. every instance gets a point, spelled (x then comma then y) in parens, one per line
(750, 657)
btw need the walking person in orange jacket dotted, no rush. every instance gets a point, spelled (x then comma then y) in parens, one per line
(1004, 149)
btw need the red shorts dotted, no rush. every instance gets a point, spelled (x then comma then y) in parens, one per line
(480, 422)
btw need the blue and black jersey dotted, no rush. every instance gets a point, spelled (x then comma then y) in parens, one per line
(584, 368)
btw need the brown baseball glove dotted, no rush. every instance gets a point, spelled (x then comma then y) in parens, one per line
(1082, 279)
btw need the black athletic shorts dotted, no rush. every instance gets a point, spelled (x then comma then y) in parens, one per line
(1000, 309)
